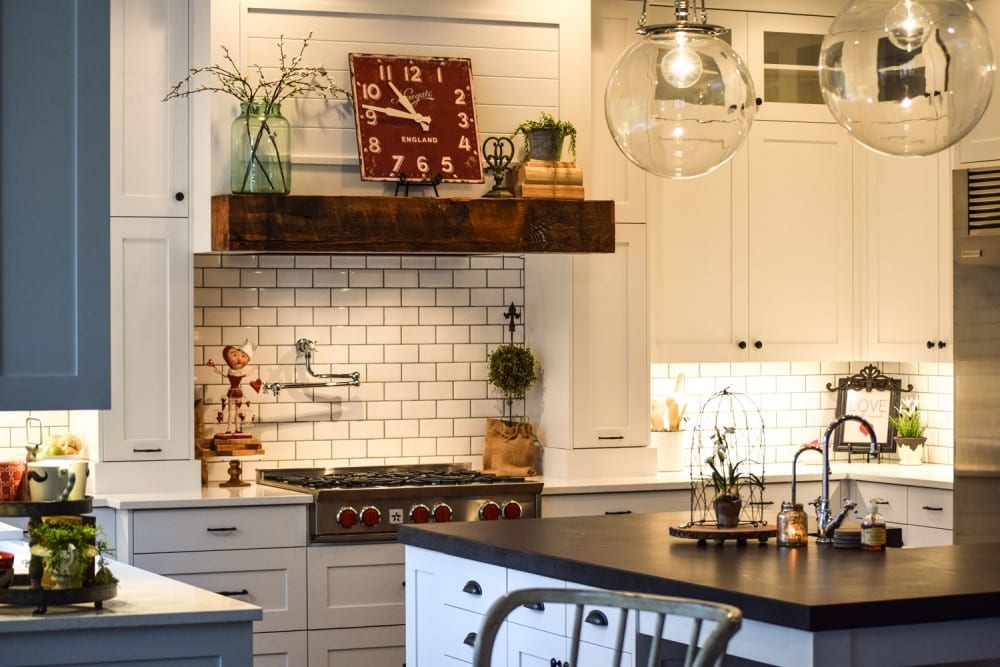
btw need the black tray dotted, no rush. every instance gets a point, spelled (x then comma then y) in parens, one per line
(47, 508)
(21, 593)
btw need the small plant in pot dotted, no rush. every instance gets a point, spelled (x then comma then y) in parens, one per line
(510, 445)
(512, 372)
(66, 547)
(909, 430)
(726, 479)
(544, 137)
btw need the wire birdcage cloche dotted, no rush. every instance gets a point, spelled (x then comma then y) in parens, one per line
(727, 462)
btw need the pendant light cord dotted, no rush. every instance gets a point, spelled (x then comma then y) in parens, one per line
(680, 14)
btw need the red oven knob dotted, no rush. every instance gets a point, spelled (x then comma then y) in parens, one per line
(512, 510)
(442, 513)
(347, 517)
(370, 516)
(489, 511)
(420, 514)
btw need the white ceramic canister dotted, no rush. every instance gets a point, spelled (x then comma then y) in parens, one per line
(57, 478)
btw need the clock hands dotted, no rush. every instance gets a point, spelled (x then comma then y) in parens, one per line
(405, 101)
(389, 111)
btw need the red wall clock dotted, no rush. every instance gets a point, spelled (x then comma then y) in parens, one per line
(416, 118)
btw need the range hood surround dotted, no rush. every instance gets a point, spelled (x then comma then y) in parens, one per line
(410, 225)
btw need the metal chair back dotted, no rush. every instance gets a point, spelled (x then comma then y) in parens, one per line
(724, 620)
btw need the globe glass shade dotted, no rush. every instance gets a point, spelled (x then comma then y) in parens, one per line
(907, 77)
(680, 101)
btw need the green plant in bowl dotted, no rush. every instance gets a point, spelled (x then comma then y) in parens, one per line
(549, 125)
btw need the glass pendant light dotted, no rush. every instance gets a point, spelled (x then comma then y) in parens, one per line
(680, 101)
(907, 77)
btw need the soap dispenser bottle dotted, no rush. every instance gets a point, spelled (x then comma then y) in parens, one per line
(873, 530)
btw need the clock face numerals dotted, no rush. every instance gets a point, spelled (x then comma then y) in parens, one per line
(416, 118)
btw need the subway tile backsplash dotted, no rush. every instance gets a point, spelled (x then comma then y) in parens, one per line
(795, 404)
(417, 328)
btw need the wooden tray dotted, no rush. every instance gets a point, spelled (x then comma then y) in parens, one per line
(21, 593)
(707, 531)
(47, 508)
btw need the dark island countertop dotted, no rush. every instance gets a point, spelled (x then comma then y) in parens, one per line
(815, 588)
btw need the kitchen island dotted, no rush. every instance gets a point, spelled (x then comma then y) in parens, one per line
(153, 620)
(816, 606)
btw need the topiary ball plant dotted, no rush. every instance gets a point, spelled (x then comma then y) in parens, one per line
(512, 370)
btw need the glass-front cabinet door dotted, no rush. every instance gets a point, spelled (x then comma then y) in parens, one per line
(783, 56)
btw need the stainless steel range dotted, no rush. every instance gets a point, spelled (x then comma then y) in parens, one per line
(369, 503)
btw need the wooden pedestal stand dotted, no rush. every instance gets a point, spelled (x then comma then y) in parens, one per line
(707, 531)
(230, 445)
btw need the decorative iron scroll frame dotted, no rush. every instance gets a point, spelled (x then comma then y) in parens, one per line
(870, 394)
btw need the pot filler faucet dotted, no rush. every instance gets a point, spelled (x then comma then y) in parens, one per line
(825, 525)
(306, 348)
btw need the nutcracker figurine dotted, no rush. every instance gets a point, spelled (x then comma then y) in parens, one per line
(235, 406)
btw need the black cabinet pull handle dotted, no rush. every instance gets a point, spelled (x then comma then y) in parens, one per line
(152, 450)
(230, 529)
(470, 639)
(932, 509)
(233, 593)
(758, 344)
(617, 512)
(880, 501)
(179, 196)
(930, 345)
(534, 606)
(742, 345)
(472, 587)
(611, 437)
(596, 617)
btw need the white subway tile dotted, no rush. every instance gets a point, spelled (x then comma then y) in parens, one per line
(347, 451)
(348, 261)
(295, 431)
(402, 316)
(276, 261)
(366, 354)
(452, 297)
(452, 262)
(384, 410)
(387, 372)
(436, 428)
(804, 401)
(435, 316)
(312, 297)
(759, 384)
(423, 447)
(208, 260)
(402, 354)
(419, 372)
(486, 262)
(435, 353)
(454, 446)
(419, 410)
(485, 408)
(312, 261)
(235, 297)
(331, 316)
(418, 262)
(470, 315)
(453, 409)
(486, 334)
(472, 426)
(419, 335)
(276, 335)
(290, 317)
(384, 297)
(486, 297)
(470, 278)
(345, 410)
(365, 278)
(432, 391)
(332, 430)
(452, 372)
(478, 371)
(504, 278)
(258, 278)
(295, 277)
(402, 391)
(330, 278)
(276, 297)
(470, 352)
(365, 316)
(714, 370)
(382, 262)
(369, 390)
(387, 447)
(312, 412)
(402, 428)
(435, 278)
(401, 278)
(220, 277)
(347, 296)
(256, 317)
(313, 449)
(418, 297)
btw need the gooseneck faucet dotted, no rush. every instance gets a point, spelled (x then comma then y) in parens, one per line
(825, 525)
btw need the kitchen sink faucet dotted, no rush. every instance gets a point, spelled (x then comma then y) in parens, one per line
(825, 525)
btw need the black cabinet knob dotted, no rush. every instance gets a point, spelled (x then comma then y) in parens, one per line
(758, 344)
(942, 344)
(742, 345)
(930, 345)
(179, 196)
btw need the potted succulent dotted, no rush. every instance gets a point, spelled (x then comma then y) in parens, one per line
(726, 479)
(66, 548)
(909, 430)
(544, 137)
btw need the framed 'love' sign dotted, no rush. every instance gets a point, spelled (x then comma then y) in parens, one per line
(873, 396)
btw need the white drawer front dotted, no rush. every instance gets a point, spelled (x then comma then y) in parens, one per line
(470, 585)
(158, 531)
(551, 617)
(929, 507)
(922, 536)
(273, 579)
(594, 504)
(890, 498)
(460, 628)
(357, 647)
(279, 649)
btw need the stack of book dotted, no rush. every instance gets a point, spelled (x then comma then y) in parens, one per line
(545, 179)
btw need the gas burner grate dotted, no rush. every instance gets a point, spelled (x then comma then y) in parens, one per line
(363, 479)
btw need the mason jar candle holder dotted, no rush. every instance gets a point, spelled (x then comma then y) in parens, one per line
(792, 526)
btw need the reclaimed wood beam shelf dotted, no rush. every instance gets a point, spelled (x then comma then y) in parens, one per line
(348, 224)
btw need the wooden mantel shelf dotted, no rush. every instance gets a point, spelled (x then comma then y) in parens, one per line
(348, 224)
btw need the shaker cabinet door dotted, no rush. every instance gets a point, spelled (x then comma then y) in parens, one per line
(54, 205)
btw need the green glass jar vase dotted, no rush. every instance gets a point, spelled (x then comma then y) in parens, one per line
(261, 142)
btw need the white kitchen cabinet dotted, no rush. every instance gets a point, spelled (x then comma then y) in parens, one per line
(981, 146)
(908, 257)
(925, 514)
(280, 649)
(54, 216)
(149, 138)
(619, 503)
(754, 261)
(151, 416)
(596, 389)
(253, 553)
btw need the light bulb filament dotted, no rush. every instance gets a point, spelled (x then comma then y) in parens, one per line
(681, 67)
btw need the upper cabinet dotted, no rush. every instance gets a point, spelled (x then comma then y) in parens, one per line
(908, 294)
(982, 144)
(149, 137)
(54, 212)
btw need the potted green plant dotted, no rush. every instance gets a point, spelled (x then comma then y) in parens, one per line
(727, 479)
(260, 136)
(510, 445)
(66, 549)
(544, 137)
(512, 371)
(909, 430)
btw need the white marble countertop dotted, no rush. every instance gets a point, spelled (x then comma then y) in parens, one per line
(927, 475)
(144, 599)
(207, 496)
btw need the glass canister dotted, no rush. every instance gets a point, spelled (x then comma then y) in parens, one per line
(792, 526)
(260, 160)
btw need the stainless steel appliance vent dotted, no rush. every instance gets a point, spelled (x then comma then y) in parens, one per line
(983, 201)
